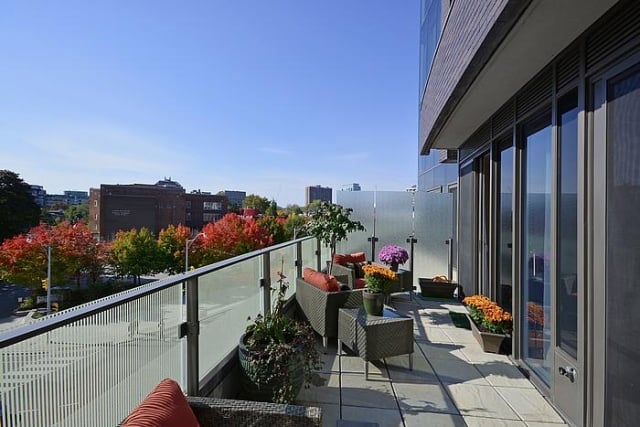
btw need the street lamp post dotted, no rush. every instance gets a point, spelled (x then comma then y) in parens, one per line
(188, 243)
(49, 279)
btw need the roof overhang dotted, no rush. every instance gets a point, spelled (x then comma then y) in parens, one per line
(544, 30)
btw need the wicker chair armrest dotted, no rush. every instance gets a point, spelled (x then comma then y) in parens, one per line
(212, 411)
(341, 271)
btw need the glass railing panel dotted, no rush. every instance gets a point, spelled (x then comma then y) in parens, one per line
(309, 257)
(394, 220)
(226, 299)
(433, 226)
(283, 260)
(362, 204)
(94, 371)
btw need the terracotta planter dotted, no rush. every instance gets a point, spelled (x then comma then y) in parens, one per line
(373, 303)
(429, 288)
(489, 341)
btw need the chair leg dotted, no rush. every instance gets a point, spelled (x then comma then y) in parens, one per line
(325, 343)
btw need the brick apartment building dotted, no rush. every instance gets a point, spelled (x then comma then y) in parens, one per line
(122, 207)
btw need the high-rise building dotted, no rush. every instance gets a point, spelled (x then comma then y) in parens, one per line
(76, 197)
(539, 104)
(39, 195)
(316, 192)
(351, 187)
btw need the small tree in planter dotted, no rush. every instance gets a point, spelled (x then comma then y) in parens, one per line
(277, 354)
(330, 224)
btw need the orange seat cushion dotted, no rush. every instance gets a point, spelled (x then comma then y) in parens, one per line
(358, 257)
(340, 259)
(165, 406)
(320, 280)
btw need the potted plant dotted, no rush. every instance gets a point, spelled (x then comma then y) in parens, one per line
(277, 354)
(437, 287)
(378, 281)
(490, 324)
(392, 255)
(330, 224)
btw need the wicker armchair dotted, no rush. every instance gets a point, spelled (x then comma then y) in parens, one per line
(347, 273)
(228, 412)
(321, 307)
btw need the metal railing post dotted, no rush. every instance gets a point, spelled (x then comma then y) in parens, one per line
(265, 282)
(449, 242)
(299, 259)
(319, 255)
(412, 241)
(193, 332)
(373, 239)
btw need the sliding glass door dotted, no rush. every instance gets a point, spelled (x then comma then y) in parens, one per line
(536, 247)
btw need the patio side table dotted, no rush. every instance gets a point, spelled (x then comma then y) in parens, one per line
(375, 337)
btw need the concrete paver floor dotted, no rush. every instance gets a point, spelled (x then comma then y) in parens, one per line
(453, 382)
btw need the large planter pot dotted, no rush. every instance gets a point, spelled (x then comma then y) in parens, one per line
(429, 288)
(489, 341)
(265, 392)
(373, 303)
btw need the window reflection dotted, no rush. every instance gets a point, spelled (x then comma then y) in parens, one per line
(536, 249)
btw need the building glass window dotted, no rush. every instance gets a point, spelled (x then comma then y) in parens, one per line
(536, 248)
(567, 259)
(212, 206)
(188, 204)
(430, 27)
(209, 217)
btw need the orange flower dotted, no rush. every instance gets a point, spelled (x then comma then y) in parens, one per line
(490, 314)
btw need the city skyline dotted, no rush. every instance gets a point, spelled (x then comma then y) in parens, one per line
(263, 98)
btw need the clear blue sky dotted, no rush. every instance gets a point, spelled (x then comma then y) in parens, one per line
(261, 96)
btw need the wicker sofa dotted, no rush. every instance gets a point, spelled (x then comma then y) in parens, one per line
(320, 307)
(228, 412)
(166, 405)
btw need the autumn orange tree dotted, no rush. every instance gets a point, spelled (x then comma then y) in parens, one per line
(74, 253)
(230, 236)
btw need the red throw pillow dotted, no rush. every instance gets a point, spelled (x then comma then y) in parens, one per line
(165, 406)
(320, 280)
(359, 284)
(340, 259)
(358, 257)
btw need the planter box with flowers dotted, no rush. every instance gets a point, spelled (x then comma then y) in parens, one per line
(437, 287)
(490, 324)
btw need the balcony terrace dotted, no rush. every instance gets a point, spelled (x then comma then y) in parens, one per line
(89, 366)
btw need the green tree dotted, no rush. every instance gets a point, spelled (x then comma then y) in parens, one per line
(77, 213)
(172, 242)
(293, 209)
(135, 253)
(272, 209)
(253, 201)
(18, 210)
(275, 226)
(295, 226)
(313, 206)
(330, 224)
